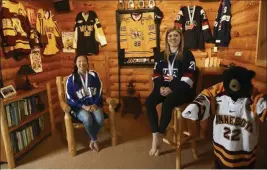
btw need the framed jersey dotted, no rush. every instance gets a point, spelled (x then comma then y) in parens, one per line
(137, 37)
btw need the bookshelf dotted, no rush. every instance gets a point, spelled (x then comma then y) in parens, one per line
(24, 122)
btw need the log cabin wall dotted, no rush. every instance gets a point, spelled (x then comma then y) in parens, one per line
(245, 16)
(106, 62)
(51, 64)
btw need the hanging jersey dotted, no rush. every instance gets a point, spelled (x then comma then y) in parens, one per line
(235, 128)
(49, 32)
(16, 30)
(88, 34)
(222, 24)
(138, 36)
(194, 23)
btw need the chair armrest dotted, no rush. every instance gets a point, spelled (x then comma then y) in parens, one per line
(112, 102)
(65, 107)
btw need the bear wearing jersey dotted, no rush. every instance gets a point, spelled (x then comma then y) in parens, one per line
(238, 108)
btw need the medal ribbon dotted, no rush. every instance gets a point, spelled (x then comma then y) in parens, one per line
(85, 85)
(191, 17)
(170, 66)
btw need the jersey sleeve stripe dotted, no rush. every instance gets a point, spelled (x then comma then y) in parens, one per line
(188, 81)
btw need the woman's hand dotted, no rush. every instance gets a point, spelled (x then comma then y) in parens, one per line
(165, 91)
(94, 107)
(90, 108)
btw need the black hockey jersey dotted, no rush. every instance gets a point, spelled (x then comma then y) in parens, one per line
(183, 72)
(222, 25)
(194, 23)
(88, 34)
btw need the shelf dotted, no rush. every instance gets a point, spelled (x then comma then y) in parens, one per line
(32, 144)
(22, 94)
(27, 120)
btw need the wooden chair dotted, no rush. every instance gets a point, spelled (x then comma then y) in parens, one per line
(181, 133)
(71, 125)
(183, 129)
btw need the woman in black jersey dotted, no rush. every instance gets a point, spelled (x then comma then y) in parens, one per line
(173, 78)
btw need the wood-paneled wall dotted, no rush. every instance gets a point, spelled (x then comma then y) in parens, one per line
(108, 54)
(51, 64)
(244, 39)
(244, 36)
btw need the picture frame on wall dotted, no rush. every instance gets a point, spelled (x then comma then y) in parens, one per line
(31, 13)
(7, 91)
(137, 28)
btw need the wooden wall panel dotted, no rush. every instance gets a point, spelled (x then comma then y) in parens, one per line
(244, 39)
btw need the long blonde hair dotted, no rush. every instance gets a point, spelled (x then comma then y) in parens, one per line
(180, 46)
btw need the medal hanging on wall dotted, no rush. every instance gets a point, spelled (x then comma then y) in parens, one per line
(191, 17)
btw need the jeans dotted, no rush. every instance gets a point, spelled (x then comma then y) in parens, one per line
(93, 121)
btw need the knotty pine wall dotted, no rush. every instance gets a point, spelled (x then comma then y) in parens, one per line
(106, 63)
(245, 15)
(51, 64)
(244, 34)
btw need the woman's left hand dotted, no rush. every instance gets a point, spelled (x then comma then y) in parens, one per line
(166, 91)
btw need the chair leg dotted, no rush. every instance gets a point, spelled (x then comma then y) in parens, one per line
(70, 135)
(194, 148)
(178, 157)
(112, 126)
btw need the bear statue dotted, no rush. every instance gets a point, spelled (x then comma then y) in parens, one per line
(238, 109)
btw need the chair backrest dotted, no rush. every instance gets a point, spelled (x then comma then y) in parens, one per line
(61, 89)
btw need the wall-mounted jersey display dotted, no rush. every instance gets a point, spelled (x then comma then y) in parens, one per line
(16, 31)
(138, 34)
(222, 24)
(194, 23)
(49, 33)
(88, 34)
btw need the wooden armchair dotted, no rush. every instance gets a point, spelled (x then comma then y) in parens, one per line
(71, 125)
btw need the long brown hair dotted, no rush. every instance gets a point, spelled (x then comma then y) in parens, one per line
(180, 46)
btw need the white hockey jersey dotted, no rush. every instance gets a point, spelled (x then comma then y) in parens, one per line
(235, 127)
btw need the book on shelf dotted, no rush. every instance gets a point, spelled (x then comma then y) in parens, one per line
(22, 137)
(18, 111)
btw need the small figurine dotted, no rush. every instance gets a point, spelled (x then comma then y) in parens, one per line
(141, 4)
(131, 87)
(151, 3)
(130, 4)
(120, 4)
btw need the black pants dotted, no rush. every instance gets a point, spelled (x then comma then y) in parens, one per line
(168, 103)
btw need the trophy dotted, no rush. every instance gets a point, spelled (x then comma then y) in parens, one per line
(151, 3)
(130, 4)
(141, 4)
(120, 4)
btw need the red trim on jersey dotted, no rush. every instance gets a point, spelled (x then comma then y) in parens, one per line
(189, 75)
(205, 23)
(155, 75)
